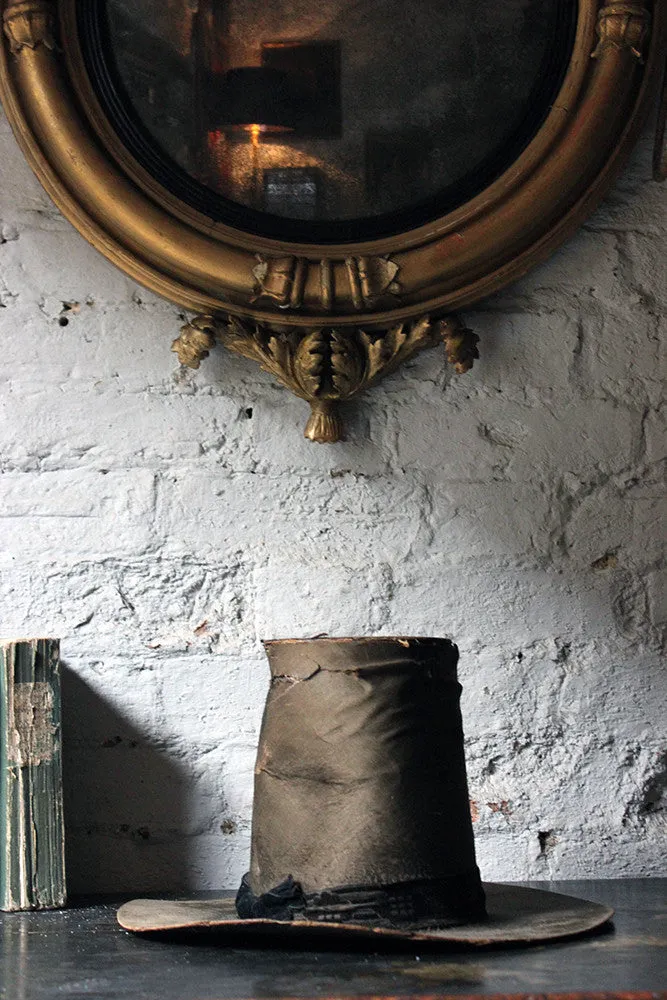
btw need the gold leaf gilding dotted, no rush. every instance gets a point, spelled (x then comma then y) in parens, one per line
(29, 24)
(326, 365)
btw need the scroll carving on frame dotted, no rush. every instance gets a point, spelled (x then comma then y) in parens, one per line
(371, 281)
(280, 279)
(623, 25)
(29, 24)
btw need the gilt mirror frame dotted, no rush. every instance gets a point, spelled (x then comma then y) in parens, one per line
(329, 320)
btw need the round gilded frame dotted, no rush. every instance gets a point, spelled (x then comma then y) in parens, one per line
(329, 320)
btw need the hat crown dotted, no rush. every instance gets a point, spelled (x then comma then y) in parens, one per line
(360, 777)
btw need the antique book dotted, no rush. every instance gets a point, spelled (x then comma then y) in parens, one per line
(32, 862)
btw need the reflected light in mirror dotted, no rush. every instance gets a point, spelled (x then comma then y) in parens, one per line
(256, 100)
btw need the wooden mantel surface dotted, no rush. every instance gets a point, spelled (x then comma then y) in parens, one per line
(81, 952)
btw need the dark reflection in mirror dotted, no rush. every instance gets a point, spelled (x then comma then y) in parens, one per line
(342, 110)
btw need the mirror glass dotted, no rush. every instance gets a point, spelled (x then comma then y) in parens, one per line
(351, 118)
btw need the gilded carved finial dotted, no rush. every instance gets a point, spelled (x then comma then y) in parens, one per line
(324, 424)
(29, 24)
(196, 341)
(623, 25)
(460, 344)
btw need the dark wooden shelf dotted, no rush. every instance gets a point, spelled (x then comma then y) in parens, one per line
(81, 952)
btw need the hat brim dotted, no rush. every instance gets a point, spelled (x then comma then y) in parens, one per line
(516, 915)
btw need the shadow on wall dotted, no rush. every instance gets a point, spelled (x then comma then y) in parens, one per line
(125, 801)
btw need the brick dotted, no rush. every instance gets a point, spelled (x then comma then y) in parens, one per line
(315, 519)
(87, 276)
(480, 523)
(613, 525)
(297, 597)
(501, 606)
(93, 426)
(67, 515)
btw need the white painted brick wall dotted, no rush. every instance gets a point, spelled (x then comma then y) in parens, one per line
(164, 523)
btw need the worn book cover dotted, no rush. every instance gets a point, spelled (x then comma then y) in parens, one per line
(32, 864)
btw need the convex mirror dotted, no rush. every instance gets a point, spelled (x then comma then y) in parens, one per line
(324, 186)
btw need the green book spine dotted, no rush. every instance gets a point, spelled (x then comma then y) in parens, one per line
(32, 843)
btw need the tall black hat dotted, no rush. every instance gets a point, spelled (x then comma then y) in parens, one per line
(361, 821)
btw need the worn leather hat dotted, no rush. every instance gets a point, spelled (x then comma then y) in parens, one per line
(361, 822)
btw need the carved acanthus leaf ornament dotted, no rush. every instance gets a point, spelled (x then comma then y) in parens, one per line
(326, 365)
